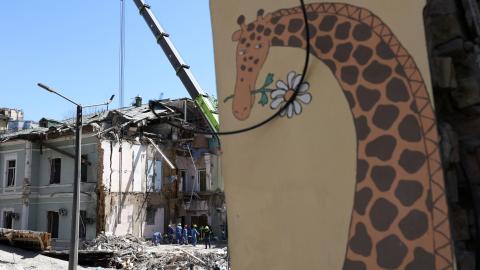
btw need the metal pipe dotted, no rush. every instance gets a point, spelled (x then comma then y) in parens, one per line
(162, 154)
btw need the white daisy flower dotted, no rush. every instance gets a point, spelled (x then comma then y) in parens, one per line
(285, 91)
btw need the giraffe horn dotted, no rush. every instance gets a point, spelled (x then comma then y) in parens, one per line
(241, 21)
(260, 13)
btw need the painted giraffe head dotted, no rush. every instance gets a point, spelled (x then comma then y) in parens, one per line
(252, 50)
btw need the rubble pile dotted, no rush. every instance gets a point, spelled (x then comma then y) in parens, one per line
(130, 252)
(181, 259)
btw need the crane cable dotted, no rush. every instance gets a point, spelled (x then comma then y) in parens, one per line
(122, 54)
(284, 107)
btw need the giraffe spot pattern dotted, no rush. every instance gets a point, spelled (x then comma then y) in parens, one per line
(343, 51)
(409, 129)
(361, 243)
(354, 265)
(384, 51)
(350, 99)
(377, 72)
(312, 31)
(267, 32)
(397, 91)
(366, 97)
(362, 54)
(275, 20)
(362, 128)
(383, 177)
(400, 71)
(279, 29)
(391, 252)
(324, 43)
(294, 41)
(327, 23)
(408, 192)
(429, 201)
(252, 36)
(413, 107)
(312, 16)
(411, 161)
(242, 41)
(385, 115)
(382, 214)
(414, 225)
(277, 42)
(243, 67)
(343, 31)
(362, 198)
(382, 147)
(331, 65)
(362, 169)
(362, 32)
(349, 74)
(295, 25)
(260, 28)
(250, 26)
(421, 260)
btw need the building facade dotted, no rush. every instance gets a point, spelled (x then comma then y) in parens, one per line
(138, 174)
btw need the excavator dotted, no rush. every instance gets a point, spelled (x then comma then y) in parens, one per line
(181, 69)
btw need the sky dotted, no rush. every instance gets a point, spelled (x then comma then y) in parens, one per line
(73, 47)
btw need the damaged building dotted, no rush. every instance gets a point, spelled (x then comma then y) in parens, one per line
(142, 169)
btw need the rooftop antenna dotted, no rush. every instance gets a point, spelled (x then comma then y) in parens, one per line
(122, 53)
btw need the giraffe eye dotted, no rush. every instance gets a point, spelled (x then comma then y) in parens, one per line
(242, 52)
(258, 46)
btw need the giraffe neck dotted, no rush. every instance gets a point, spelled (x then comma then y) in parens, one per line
(393, 224)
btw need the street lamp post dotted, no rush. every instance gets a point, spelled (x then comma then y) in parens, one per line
(73, 254)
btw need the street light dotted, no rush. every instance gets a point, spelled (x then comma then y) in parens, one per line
(73, 255)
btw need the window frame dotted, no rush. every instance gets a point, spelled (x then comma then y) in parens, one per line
(53, 181)
(199, 171)
(6, 158)
(7, 172)
(150, 214)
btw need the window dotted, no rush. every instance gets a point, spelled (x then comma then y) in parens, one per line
(8, 220)
(202, 178)
(82, 233)
(11, 165)
(84, 167)
(55, 167)
(183, 178)
(151, 215)
(52, 226)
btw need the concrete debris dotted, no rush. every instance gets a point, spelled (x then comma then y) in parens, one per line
(130, 252)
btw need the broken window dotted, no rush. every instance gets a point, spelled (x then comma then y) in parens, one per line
(202, 179)
(84, 169)
(8, 219)
(52, 226)
(55, 167)
(183, 179)
(158, 175)
(150, 175)
(11, 166)
(151, 215)
(82, 233)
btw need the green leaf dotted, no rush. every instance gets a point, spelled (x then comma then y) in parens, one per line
(268, 80)
(263, 99)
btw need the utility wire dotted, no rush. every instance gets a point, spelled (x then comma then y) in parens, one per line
(284, 107)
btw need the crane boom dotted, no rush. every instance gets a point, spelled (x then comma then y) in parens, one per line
(182, 70)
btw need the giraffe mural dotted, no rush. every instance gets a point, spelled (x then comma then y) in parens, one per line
(400, 215)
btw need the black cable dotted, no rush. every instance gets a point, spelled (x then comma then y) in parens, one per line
(290, 101)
